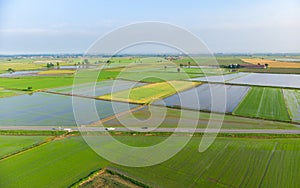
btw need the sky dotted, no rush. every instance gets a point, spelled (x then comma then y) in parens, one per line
(225, 26)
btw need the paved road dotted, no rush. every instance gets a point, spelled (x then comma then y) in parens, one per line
(182, 130)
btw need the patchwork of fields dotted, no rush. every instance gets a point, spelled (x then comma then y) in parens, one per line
(235, 159)
(63, 162)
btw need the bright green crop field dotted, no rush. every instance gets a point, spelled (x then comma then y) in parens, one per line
(292, 98)
(13, 144)
(59, 163)
(46, 82)
(229, 162)
(267, 103)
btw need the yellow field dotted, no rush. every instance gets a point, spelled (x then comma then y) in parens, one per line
(148, 93)
(272, 64)
(20, 66)
(57, 71)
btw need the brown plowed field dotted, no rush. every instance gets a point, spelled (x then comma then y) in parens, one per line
(272, 64)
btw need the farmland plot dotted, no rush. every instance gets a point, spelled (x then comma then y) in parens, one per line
(12, 144)
(292, 99)
(222, 78)
(265, 103)
(282, 166)
(101, 88)
(227, 163)
(59, 163)
(273, 64)
(259, 79)
(263, 79)
(150, 92)
(49, 109)
(225, 97)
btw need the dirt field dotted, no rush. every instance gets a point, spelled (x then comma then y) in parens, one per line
(106, 179)
(272, 64)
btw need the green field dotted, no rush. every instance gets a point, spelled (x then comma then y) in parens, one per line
(60, 159)
(227, 163)
(45, 82)
(62, 163)
(174, 115)
(13, 144)
(267, 103)
(292, 98)
(59, 163)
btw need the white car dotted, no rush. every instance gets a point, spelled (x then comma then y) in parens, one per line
(110, 129)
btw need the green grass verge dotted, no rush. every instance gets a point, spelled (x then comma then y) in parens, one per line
(267, 103)
(33, 133)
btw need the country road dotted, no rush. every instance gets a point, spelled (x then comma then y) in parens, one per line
(179, 130)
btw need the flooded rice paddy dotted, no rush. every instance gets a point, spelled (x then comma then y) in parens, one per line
(208, 97)
(259, 79)
(43, 109)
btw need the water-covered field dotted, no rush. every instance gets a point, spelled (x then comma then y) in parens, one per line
(259, 79)
(208, 97)
(43, 109)
(222, 78)
(98, 88)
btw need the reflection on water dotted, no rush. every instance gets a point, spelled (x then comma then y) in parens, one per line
(43, 109)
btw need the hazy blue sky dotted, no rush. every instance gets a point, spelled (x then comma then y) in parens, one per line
(58, 26)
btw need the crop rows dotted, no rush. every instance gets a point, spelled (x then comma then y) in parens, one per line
(292, 98)
(267, 103)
